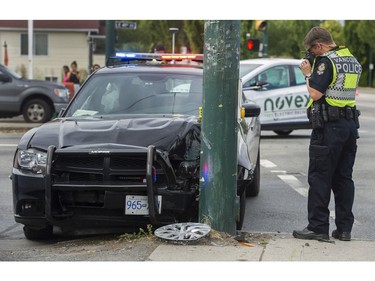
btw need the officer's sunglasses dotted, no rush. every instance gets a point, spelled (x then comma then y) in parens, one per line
(312, 46)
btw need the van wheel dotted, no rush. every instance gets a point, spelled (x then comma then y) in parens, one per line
(38, 234)
(37, 111)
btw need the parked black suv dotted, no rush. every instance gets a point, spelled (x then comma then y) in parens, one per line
(36, 100)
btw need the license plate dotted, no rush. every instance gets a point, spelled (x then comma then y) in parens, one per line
(138, 205)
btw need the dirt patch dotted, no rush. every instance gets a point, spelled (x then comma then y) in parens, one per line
(120, 247)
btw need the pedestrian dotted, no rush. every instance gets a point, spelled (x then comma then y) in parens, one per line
(75, 76)
(332, 81)
(66, 74)
(159, 49)
(95, 67)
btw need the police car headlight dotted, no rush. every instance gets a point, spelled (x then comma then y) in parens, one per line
(32, 160)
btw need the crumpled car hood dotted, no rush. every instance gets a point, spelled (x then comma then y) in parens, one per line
(179, 136)
(164, 133)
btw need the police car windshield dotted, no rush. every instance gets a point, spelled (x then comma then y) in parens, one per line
(138, 93)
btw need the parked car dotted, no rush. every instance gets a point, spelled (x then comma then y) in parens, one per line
(125, 152)
(278, 86)
(36, 100)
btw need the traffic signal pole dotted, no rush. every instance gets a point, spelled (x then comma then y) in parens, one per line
(110, 35)
(262, 25)
(218, 201)
(265, 43)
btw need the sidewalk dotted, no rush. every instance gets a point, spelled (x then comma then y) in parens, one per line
(278, 248)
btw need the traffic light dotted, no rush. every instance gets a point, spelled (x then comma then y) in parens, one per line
(260, 25)
(253, 44)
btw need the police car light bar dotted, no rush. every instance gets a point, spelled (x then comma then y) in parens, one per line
(137, 56)
(125, 57)
(194, 57)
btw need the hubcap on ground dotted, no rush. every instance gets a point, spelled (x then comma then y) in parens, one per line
(183, 231)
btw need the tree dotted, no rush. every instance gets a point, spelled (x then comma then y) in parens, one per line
(150, 33)
(194, 30)
(336, 29)
(359, 44)
(285, 37)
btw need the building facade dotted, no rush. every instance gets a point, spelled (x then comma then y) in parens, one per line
(55, 43)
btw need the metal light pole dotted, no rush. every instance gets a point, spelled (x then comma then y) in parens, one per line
(174, 30)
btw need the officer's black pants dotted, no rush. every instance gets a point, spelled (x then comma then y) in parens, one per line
(332, 154)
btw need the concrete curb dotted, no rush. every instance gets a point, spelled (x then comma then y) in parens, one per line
(278, 248)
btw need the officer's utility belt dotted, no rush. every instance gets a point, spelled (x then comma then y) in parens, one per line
(320, 113)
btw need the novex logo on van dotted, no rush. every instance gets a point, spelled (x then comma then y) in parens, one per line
(287, 102)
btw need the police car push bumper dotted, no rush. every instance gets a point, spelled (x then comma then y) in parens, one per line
(153, 198)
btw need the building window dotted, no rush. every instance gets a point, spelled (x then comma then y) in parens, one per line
(40, 44)
(98, 46)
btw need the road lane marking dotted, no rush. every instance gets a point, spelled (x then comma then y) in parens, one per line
(267, 164)
(278, 172)
(333, 216)
(294, 183)
(7, 145)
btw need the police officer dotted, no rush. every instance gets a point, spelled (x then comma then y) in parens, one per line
(332, 82)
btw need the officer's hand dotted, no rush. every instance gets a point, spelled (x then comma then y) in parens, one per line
(305, 67)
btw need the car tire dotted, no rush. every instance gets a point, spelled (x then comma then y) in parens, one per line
(252, 189)
(37, 111)
(283, 132)
(241, 219)
(38, 234)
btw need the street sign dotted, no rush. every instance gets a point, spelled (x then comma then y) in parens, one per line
(125, 25)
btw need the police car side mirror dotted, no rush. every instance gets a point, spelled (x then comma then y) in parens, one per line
(251, 109)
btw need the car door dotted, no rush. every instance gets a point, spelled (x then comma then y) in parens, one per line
(8, 93)
(276, 90)
(300, 95)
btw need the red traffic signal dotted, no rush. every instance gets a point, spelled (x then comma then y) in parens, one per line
(261, 25)
(253, 44)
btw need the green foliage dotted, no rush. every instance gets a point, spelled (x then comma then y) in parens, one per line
(137, 235)
(364, 30)
(285, 37)
(336, 29)
(150, 33)
(359, 44)
(194, 30)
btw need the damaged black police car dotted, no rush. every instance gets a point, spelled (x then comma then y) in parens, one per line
(124, 153)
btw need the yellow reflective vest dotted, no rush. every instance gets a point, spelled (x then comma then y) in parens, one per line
(346, 73)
